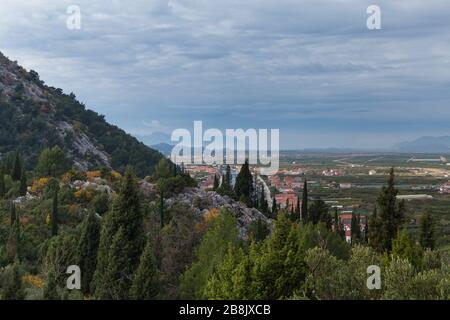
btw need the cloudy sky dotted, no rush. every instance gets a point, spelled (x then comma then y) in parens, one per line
(311, 68)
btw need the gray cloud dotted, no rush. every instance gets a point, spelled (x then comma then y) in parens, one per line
(303, 66)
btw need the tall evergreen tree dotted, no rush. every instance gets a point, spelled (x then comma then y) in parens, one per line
(274, 208)
(355, 229)
(216, 182)
(119, 271)
(146, 282)
(366, 232)
(54, 218)
(336, 221)
(221, 234)
(16, 172)
(226, 181)
(161, 208)
(298, 210)
(51, 287)
(390, 216)
(263, 205)
(2, 183)
(244, 185)
(12, 214)
(13, 287)
(23, 184)
(87, 250)
(318, 212)
(426, 227)
(126, 214)
(305, 202)
(13, 243)
(375, 234)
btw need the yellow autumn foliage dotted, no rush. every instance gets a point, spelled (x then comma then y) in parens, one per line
(35, 281)
(93, 174)
(39, 185)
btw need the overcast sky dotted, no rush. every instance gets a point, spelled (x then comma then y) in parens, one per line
(310, 68)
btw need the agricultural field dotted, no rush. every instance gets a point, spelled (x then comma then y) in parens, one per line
(364, 175)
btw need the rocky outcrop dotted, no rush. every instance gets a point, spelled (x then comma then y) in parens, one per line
(202, 201)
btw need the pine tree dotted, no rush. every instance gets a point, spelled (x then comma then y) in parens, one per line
(87, 250)
(54, 218)
(16, 172)
(23, 184)
(13, 287)
(146, 281)
(244, 185)
(305, 202)
(426, 226)
(2, 183)
(126, 214)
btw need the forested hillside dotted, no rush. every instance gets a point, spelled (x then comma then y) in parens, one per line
(34, 116)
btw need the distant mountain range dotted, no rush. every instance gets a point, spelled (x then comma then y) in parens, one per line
(420, 145)
(155, 138)
(425, 145)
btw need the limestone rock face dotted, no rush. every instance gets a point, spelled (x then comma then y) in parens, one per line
(202, 201)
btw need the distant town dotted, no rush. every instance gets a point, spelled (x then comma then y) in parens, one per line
(347, 182)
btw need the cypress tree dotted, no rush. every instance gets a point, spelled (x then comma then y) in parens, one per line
(355, 229)
(336, 221)
(51, 287)
(298, 210)
(305, 202)
(375, 232)
(226, 181)
(366, 232)
(264, 206)
(16, 172)
(13, 286)
(146, 281)
(274, 208)
(426, 236)
(2, 183)
(161, 208)
(389, 219)
(13, 244)
(119, 271)
(87, 250)
(216, 182)
(244, 185)
(126, 214)
(12, 214)
(54, 218)
(23, 184)
(318, 212)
